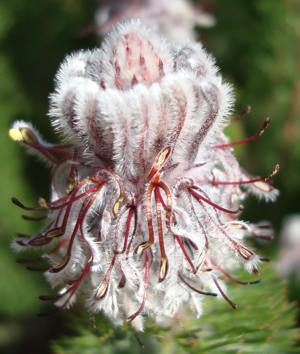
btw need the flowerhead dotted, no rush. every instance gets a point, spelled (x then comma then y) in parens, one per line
(146, 191)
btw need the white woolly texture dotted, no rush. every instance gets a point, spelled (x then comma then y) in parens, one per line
(30, 138)
(147, 192)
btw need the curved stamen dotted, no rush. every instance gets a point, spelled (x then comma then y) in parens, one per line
(159, 162)
(53, 153)
(102, 290)
(168, 193)
(38, 240)
(134, 231)
(53, 205)
(103, 171)
(230, 277)
(127, 230)
(144, 245)
(47, 236)
(33, 218)
(82, 214)
(77, 282)
(178, 239)
(164, 260)
(236, 246)
(267, 179)
(153, 179)
(180, 276)
(208, 201)
(264, 127)
(161, 200)
(54, 297)
(146, 281)
(226, 298)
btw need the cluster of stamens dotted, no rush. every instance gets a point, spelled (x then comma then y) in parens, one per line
(136, 228)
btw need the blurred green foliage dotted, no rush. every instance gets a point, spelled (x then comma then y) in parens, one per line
(34, 37)
(257, 45)
(262, 324)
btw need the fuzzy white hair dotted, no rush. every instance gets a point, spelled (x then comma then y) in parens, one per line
(146, 194)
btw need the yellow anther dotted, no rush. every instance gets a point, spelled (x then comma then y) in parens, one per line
(159, 162)
(15, 134)
(142, 247)
(22, 134)
(43, 203)
(275, 170)
(236, 226)
(162, 157)
(101, 290)
(245, 253)
(118, 203)
(55, 232)
(163, 268)
(265, 187)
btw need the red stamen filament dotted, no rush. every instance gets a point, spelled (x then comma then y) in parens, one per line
(102, 290)
(127, 229)
(53, 205)
(168, 207)
(161, 199)
(146, 281)
(48, 151)
(41, 149)
(250, 181)
(55, 232)
(246, 140)
(82, 213)
(158, 163)
(34, 218)
(153, 179)
(76, 283)
(180, 276)
(208, 201)
(164, 259)
(133, 233)
(38, 240)
(97, 178)
(226, 298)
(178, 239)
(58, 217)
(236, 246)
(143, 246)
(230, 277)
(238, 183)
(168, 193)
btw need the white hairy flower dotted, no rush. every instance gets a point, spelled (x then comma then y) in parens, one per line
(175, 19)
(146, 191)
